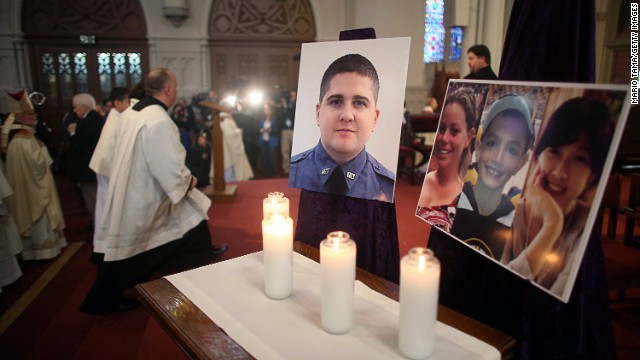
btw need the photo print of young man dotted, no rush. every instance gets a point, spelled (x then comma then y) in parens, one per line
(348, 117)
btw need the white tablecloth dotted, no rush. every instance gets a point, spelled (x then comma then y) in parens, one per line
(231, 294)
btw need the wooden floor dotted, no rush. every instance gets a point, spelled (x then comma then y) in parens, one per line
(625, 317)
(40, 318)
(625, 314)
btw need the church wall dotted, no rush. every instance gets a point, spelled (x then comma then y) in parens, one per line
(185, 49)
(332, 16)
(13, 74)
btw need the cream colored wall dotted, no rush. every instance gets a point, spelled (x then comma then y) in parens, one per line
(330, 16)
(397, 19)
(13, 61)
(185, 49)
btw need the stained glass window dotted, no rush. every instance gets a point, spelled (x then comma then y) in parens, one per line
(67, 73)
(456, 44)
(434, 35)
(65, 77)
(80, 68)
(49, 83)
(47, 64)
(120, 69)
(104, 63)
(135, 70)
(64, 64)
(104, 72)
(80, 61)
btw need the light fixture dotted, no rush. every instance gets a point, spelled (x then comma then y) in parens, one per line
(175, 11)
(231, 100)
(255, 97)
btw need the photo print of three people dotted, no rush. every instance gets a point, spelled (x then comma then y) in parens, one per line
(517, 169)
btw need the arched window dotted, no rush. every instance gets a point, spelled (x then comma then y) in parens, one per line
(89, 46)
(434, 31)
(456, 43)
(435, 40)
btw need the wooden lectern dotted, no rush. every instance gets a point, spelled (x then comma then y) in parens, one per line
(218, 191)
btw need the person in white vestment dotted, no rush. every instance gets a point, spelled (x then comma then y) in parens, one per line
(154, 219)
(10, 242)
(34, 205)
(103, 154)
(236, 163)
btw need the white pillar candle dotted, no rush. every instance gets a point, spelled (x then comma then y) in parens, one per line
(338, 276)
(419, 281)
(275, 202)
(277, 245)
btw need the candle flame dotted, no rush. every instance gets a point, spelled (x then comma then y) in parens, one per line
(336, 244)
(552, 258)
(422, 262)
(277, 218)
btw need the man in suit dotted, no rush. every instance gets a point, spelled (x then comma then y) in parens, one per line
(479, 61)
(83, 138)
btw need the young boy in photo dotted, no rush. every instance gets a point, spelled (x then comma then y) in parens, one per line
(485, 212)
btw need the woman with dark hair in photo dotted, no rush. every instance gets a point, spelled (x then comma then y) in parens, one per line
(442, 187)
(567, 163)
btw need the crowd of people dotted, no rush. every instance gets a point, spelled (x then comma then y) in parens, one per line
(138, 160)
(257, 139)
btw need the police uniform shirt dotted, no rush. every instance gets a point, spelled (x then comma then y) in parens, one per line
(365, 177)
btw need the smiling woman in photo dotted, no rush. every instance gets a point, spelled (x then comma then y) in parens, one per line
(442, 187)
(567, 163)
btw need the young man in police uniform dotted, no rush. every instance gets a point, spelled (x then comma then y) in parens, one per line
(346, 114)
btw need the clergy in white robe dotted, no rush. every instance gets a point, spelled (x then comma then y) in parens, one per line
(103, 154)
(236, 163)
(10, 242)
(34, 205)
(153, 218)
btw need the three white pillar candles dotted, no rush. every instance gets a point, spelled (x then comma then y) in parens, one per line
(338, 276)
(277, 245)
(419, 282)
(275, 202)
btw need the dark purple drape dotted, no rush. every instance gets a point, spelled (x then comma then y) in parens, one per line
(548, 40)
(544, 328)
(371, 224)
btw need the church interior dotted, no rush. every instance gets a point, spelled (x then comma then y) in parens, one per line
(228, 49)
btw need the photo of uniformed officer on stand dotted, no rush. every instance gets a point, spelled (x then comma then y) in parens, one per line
(347, 114)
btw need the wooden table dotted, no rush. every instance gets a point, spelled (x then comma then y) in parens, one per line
(201, 338)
